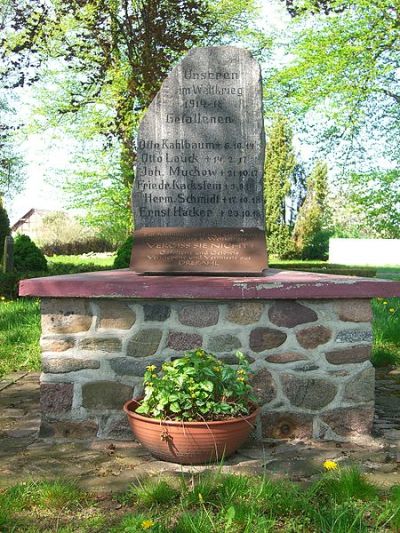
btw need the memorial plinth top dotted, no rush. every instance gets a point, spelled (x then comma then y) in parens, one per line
(276, 284)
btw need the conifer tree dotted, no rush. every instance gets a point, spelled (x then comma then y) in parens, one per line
(279, 175)
(310, 236)
(4, 227)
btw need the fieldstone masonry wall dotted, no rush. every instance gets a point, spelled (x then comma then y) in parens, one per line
(310, 359)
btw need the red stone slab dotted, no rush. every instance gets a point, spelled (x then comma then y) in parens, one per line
(212, 251)
(276, 284)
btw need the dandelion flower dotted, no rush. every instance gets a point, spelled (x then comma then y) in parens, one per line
(330, 465)
(385, 302)
(147, 524)
(392, 310)
(150, 368)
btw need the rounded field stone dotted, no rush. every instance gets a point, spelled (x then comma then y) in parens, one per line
(129, 366)
(231, 359)
(361, 387)
(263, 386)
(179, 341)
(286, 357)
(309, 393)
(224, 343)
(286, 425)
(266, 338)
(312, 337)
(65, 315)
(350, 421)
(244, 312)
(105, 395)
(351, 355)
(354, 335)
(102, 344)
(199, 315)
(354, 310)
(288, 314)
(56, 397)
(156, 312)
(56, 345)
(115, 315)
(144, 343)
(67, 364)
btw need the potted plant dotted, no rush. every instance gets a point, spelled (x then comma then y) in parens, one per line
(196, 410)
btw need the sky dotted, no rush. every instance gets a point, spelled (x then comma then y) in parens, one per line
(44, 156)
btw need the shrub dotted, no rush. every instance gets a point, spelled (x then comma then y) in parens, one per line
(9, 285)
(77, 247)
(27, 256)
(123, 258)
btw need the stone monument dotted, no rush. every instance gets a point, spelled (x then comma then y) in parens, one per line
(198, 194)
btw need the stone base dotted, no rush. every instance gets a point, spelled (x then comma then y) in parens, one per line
(310, 356)
(310, 359)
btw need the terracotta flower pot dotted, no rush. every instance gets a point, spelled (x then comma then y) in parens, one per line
(189, 442)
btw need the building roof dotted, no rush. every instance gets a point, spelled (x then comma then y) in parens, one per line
(27, 216)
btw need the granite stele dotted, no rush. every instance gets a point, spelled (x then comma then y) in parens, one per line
(198, 194)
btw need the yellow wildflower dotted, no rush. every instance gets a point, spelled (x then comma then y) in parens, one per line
(330, 465)
(240, 379)
(147, 524)
(241, 371)
(199, 353)
(385, 302)
(217, 369)
(3, 298)
(150, 368)
(392, 310)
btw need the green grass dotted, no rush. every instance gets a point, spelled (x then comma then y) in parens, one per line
(386, 327)
(19, 335)
(82, 260)
(342, 501)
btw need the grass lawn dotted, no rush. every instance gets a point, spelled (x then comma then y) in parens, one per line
(82, 259)
(341, 501)
(19, 335)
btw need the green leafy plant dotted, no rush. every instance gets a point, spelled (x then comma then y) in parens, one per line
(27, 256)
(198, 387)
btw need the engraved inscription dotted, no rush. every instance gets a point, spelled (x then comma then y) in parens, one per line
(201, 145)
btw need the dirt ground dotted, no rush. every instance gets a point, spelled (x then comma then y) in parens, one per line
(110, 466)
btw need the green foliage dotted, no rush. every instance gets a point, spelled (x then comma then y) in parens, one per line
(4, 227)
(344, 68)
(27, 256)
(78, 247)
(342, 485)
(376, 195)
(310, 234)
(123, 258)
(386, 329)
(19, 335)
(197, 387)
(279, 174)
(151, 492)
(11, 163)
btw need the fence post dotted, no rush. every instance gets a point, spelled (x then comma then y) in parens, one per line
(8, 254)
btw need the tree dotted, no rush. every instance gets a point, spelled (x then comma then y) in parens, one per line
(310, 232)
(298, 7)
(280, 165)
(344, 68)
(11, 163)
(4, 227)
(111, 57)
(376, 196)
